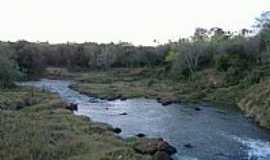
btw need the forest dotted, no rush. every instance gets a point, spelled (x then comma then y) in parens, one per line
(237, 54)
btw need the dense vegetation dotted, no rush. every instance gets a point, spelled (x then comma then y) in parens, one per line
(234, 54)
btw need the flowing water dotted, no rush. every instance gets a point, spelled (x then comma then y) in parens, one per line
(213, 134)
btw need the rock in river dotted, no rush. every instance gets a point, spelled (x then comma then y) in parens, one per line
(152, 146)
(117, 130)
(166, 103)
(140, 135)
(72, 107)
(123, 114)
(188, 145)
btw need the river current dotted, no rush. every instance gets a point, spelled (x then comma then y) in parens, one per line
(210, 134)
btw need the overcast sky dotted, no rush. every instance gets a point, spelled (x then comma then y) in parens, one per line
(136, 21)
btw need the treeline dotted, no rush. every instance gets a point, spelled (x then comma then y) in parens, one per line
(233, 53)
(31, 59)
(237, 55)
(35, 56)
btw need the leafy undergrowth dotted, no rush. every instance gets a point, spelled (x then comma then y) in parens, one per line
(42, 129)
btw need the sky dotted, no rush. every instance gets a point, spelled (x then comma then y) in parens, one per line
(135, 21)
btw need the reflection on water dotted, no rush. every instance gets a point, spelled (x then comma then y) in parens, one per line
(214, 135)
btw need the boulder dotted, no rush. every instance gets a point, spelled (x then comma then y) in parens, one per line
(167, 102)
(72, 107)
(153, 145)
(166, 147)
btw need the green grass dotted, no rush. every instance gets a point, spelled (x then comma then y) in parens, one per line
(204, 86)
(113, 84)
(44, 130)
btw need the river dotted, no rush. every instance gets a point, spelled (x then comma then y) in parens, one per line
(208, 134)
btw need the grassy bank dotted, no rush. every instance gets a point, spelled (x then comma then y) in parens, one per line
(256, 103)
(205, 86)
(130, 83)
(36, 126)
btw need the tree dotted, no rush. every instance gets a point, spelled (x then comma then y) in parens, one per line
(263, 21)
(200, 34)
(190, 56)
(30, 58)
(263, 26)
(9, 71)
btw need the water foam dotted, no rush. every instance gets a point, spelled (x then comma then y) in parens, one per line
(256, 148)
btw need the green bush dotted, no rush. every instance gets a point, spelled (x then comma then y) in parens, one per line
(235, 67)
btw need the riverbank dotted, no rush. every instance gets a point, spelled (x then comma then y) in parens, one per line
(133, 83)
(37, 125)
(206, 86)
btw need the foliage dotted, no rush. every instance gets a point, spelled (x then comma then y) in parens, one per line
(190, 56)
(214, 48)
(9, 69)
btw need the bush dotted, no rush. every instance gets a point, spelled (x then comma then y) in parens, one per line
(235, 66)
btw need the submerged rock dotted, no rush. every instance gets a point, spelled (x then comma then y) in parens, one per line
(117, 130)
(188, 145)
(166, 103)
(140, 135)
(123, 114)
(123, 98)
(114, 98)
(72, 107)
(111, 98)
(93, 100)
